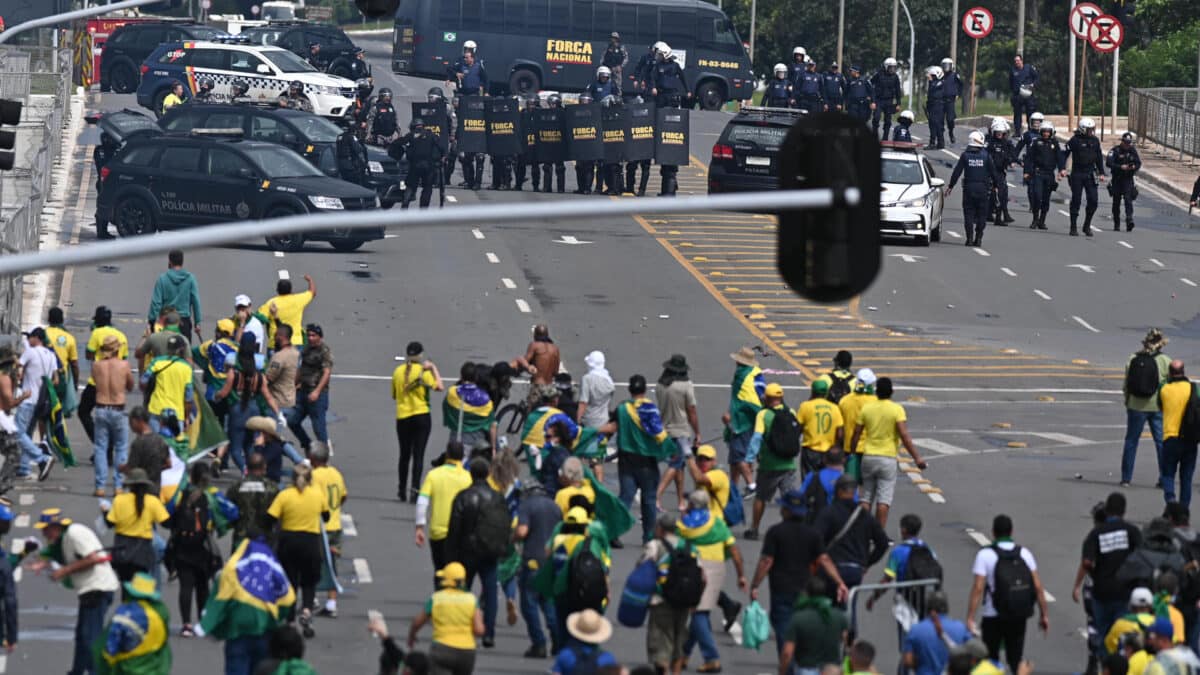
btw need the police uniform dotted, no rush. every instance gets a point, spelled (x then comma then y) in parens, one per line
(382, 124)
(1042, 161)
(298, 102)
(1122, 185)
(1025, 76)
(778, 93)
(1002, 154)
(887, 99)
(527, 160)
(952, 88)
(859, 97)
(360, 110)
(795, 69)
(101, 156)
(351, 158)
(615, 58)
(1086, 161)
(807, 91)
(424, 152)
(669, 83)
(643, 72)
(979, 178)
(936, 113)
(833, 89)
(1027, 139)
(902, 132)
(552, 169)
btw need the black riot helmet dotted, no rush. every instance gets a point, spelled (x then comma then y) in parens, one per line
(364, 86)
(385, 94)
(359, 53)
(416, 124)
(435, 95)
(531, 102)
(239, 87)
(296, 87)
(554, 100)
(206, 84)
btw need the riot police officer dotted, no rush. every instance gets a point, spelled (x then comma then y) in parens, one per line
(527, 160)
(860, 96)
(450, 148)
(797, 66)
(1021, 82)
(204, 93)
(979, 179)
(551, 169)
(315, 59)
(424, 151)
(952, 88)
(238, 91)
(383, 126)
(359, 67)
(101, 156)
(806, 89)
(503, 165)
(609, 178)
(643, 72)
(903, 131)
(1086, 161)
(887, 95)
(351, 158)
(603, 86)
(1042, 161)
(1001, 152)
(1031, 134)
(779, 90)
(585, 170)
(1124, 162)
(615, 57)
(669, 87)
(360, 109)
(469, 75)
(934, 108)
(833, 87)
(295, 98)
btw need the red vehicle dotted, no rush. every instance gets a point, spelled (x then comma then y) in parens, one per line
(100, 29)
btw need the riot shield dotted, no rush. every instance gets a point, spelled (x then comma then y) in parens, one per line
(615, 122)
(551, 147)
(583, 126)
(435, 117)
(671, 137)
(503, 125)
(472, 124)
(639, 140)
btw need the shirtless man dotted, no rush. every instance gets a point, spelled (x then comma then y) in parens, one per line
(114, 378)
(541, 359)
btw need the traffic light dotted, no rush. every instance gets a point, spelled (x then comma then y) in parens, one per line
(830, 254)
(10, 115)
(376, 9)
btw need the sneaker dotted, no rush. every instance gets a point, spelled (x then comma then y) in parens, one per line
(750, 490)
(511, 607)
(750, 535)
(215, 469)
(731, 613)
(187, 631)
(306, 625)
(44, 467)
(1124, 484)
(710, 667)
(328, 612)
(536, 652)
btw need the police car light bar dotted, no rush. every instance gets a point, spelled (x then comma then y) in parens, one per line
(233, 132)
(767, 109)
(900, 146)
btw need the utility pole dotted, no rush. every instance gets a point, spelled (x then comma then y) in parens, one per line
(955, 20)
(753, 16)
(1021, 27)
(896, 24)
(841, 28)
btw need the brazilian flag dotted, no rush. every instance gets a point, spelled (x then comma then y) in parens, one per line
(252, 595)
(610, 510)
(204, 433)
(56, 426)
(135, 642)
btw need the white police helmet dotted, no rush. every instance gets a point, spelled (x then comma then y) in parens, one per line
(603, 71)
(947, 64)
(1035, 120)
(935, 71)
(780, 68)
(889, 62)
(908, 115)
(999, 125)
(1128, 137)
(798, 51)
(975, 140)
(662, 48)
(1046, 126)
(469, 44)
(1086, 125)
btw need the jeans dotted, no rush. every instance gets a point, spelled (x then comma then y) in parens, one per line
(240, 438)
(412, 433)
(1106, 613)
(1135, 421)
(31, 454)
(637, 472)
(781, 615)
(487, 578)
(700, 632)
(1191, 625)
(1180, 455)
(112, 427)
(243, 654)
(88, 626)
(531, 603)
(314, 411)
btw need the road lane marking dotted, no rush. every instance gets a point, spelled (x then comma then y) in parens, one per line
(955, 156)
(18, 546)
(1064, 213)
(476, 233)
(979, 537)
(348, 527)
(362, 570)
(1067, 439)
(1042, 294)
(1008, 271)
(22, 520)
(954, 234)
(278, 254)
(935, 498)
(981, 251)
(1049, 598)
(492, 257)
(452, 199)
(26, 499)
(523, 306)
(939, 447)
(1085, 324)
(1156, 261)
(508, 283)
(1125, 244)
(283, 274)
(1189, 282)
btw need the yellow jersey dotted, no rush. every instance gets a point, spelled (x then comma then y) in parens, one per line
(333, 484)
(410, 389)
(851, 406)
(290, 310)
(821, 420)
(452, 612)
(878, 421)
(440, 487)
(299, 511)
(124, 518)
(63, 344)
(172, 376)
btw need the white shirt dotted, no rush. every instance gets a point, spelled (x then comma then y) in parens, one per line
(255, 327)
(985, 566)
(36, 362)
(78, 542)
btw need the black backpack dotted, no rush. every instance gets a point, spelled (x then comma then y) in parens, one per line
(587, 582)
(1142, 378)
(493, 528)
(783, 438)
(1189, 426)
(1157, 554)
(1013, 594)
(841, 383)
(685, 579)
(921, 564)
(816, 497)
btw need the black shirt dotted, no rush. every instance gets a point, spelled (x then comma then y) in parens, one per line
(1106, 547)
(795, 546)
(864, 544)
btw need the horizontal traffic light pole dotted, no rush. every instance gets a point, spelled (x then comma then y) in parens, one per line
(71, 16)
(246, 230)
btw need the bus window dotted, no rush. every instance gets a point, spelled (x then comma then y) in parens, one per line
(647, 25)
(560, 15)
(448, 14)
(717, 33)
(581, 19)
(602, 21)
(514, 16)
(472, 18)
(626, 24)
(678, 27)
(535, 17)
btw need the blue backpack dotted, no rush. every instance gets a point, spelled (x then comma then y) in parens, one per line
(635, 598)
(734, 511)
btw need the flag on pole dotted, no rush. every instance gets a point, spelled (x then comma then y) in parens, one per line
(56, 426)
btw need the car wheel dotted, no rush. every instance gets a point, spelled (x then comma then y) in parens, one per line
(289, 243)
(711, 95)
(936, 235)
(135, 216)
(158, 102)
(523, 81)
(346, 246)
(123, 78)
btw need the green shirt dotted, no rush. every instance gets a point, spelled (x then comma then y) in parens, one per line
(817, 642)
(1149, 404)
(767, 459)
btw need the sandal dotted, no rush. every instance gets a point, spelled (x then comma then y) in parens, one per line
(187, 631)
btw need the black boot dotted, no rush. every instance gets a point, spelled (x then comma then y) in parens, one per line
(1129, 226)
(642, 184)
(1007, 218)
(1087, 225)
(970, 236)
(952, 136)
(1034, 224)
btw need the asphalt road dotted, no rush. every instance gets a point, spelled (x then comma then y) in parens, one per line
(999, 398)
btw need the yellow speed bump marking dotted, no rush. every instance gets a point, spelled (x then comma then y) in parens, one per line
(685, 244)
(700, 258)
(674, 232)
(921, 481)
(732, 289)
(1045, 398)
(789, 343)
(1011, 351)
(929, 489)
(812, 362)
(866, 325)
(776, 334)
(916, 399)
(1017, 444)
(895, 333)
(800, 353)
(758, 306)
(757, 316)
(658, 222)
(846, 317)
(1080, 362)
(766, 325)
(941, 342)
(1001, 425)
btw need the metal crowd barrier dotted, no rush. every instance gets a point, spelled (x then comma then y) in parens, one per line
(909, 607)
(1167, 116)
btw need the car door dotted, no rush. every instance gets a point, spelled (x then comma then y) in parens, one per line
(935, 209)
(213, 63)
(175, 186)
(148, 39)
(232, 183)
(263, 82)
(293, 41)
(264, 127)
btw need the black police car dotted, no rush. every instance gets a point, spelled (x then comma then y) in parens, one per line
(131, 44)
(180, 180)
(746, 156)
(312, 136)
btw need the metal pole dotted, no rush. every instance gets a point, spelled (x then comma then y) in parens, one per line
(974, 69)
(896, 24)
(1116, 78)
(1071, 76)
(69, 16)
(753, 16)
(1021, 27)
(1082, 76)
(912, 52)
(955, 21)
(841, 28)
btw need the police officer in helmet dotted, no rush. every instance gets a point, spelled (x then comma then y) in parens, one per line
(468, 73)
(527, 160)
(502, 168)
(424, 152)
(360, 110)
(643, 72)
(903, 130)
(101, 156)
(979, 179)
(603, 86)
(315, 59)
(295, 98)
(1124, 162)
(952, 88)
(935, 107)
(833, 88)
(887, 95)
(797, 66)
(1031, 134)
(382, 124)
(1042, 161)
(238, 91)
(670, 87)
(550, 169)
(450, 150)
(585, 170)
(807, 89)
(1022, 80)
(779, 90)
(1001, 152)
(205, 92)
(860, 96)
(1086, 162)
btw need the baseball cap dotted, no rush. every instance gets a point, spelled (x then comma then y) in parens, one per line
(820, 385)
(1162, 627)
(1141, 597)
(227, 326)
(707, 452)
(866, 376)
(242, 300)
(774, 389)
(794, 501)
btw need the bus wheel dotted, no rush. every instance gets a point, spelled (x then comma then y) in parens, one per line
(523, 81)
(711, 95)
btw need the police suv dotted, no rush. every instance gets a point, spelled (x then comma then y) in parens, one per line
(911, 199)
(268, 71)
(159, 182)
(746, 156)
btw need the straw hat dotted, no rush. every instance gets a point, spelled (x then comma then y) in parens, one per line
(264, 424)
(745, 356)
(589, 626)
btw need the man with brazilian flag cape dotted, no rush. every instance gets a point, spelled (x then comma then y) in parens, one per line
(135, 641)
(469, 414)
(252, 598)
(643, 443)
(745, 400)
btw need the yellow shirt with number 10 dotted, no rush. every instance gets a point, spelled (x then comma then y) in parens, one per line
(821, 420)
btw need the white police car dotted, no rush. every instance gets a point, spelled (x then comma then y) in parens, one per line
(268, 71)
(912, 196)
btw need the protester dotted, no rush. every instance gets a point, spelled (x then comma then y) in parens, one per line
(777, 435)
(190, 552)
(287, 309)
(411, 384)
(434, 502)
(135, 640)
(596, 391)
(312, 391)
(583, 653)
(456, 620)
(178, 288)
(640, 437)
(882, 428)
(301, 509)
(253, 495)
(667, 626)
(248, 602)
(815, 631)
(250, 396)
(132, 517)
(745, 401)
(478, 533)
(285, 654)
(676, 399)
(332, 484)
(113, 379)
(537, 517)
(1105, 549)
(926, 648)
(701, 527)
(854, 540)
(1145, 373)
(822, 424)
(1179, 443)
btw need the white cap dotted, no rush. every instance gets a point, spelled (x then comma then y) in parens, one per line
(866, 376)
(242, 300)
(1141, 597)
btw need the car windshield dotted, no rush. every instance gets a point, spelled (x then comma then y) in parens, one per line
(902, 171)
(315, 128)
(280, 163)
(288, 62)
(266, 37)
(767, 136)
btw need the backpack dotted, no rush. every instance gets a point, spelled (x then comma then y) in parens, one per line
(1142, 378)
(816, 497)
(734, 511)
(1143, 565)
(493, 527)
(921, 564)
(841, 383)
(1189, 426)
(635, 598)
(1013, 594)
(587, 581)
(192, 518)
(685, 579)
(783, 438)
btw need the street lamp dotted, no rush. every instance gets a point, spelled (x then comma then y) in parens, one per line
(912, 52)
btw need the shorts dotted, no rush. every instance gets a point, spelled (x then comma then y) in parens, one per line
(666, 633)
(679, 460)
(770, 481)
(738, 445)
(878, 479)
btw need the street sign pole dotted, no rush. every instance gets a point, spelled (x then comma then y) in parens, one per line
(977, 23)
(1116, 74)
(974, 67)
(1071, 75)
(1082, 74)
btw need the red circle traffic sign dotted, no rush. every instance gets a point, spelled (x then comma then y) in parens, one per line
(1081, 18)
(1106, 33)
(977, 22)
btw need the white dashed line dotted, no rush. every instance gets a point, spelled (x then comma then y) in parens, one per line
(4, 657)
(362, 571)
(523, 306)
(1189, 282)
(283, 274)
(1125, 244)
(17, 574)
(390, 236)
(1012, 186)
(1156, 261)
(1085, 324)
(492, 257)
(939, 448)
(950, 153)
(979, 537)
(508, 283)
(1008, 271)
(348, 528)
(954, 234)
(1041, 294)
(476, 233)
(1064, 213)
(1049, 598)
(981, 252)
(452, 199)
(26, 499)
(22, 520)
(278, 254)
(935, 497)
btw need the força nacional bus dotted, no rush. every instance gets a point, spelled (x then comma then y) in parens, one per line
(527, 45)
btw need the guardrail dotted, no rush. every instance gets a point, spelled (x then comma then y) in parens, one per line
(1168, 116)
(911, 598)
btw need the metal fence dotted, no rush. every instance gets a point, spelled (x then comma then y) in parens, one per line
(40, 78)
(1168, 116)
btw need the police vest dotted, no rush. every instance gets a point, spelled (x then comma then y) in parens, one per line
(777, 89)
(1086, 153)
(668, 77)
(833, 85)
(385, 120)
(809, 85)
(857, 90)
(887, 85)
(1045, 154)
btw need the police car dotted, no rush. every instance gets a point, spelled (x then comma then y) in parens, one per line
(159, 182)
(746, 156)
(268, 71)
(912, 198)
